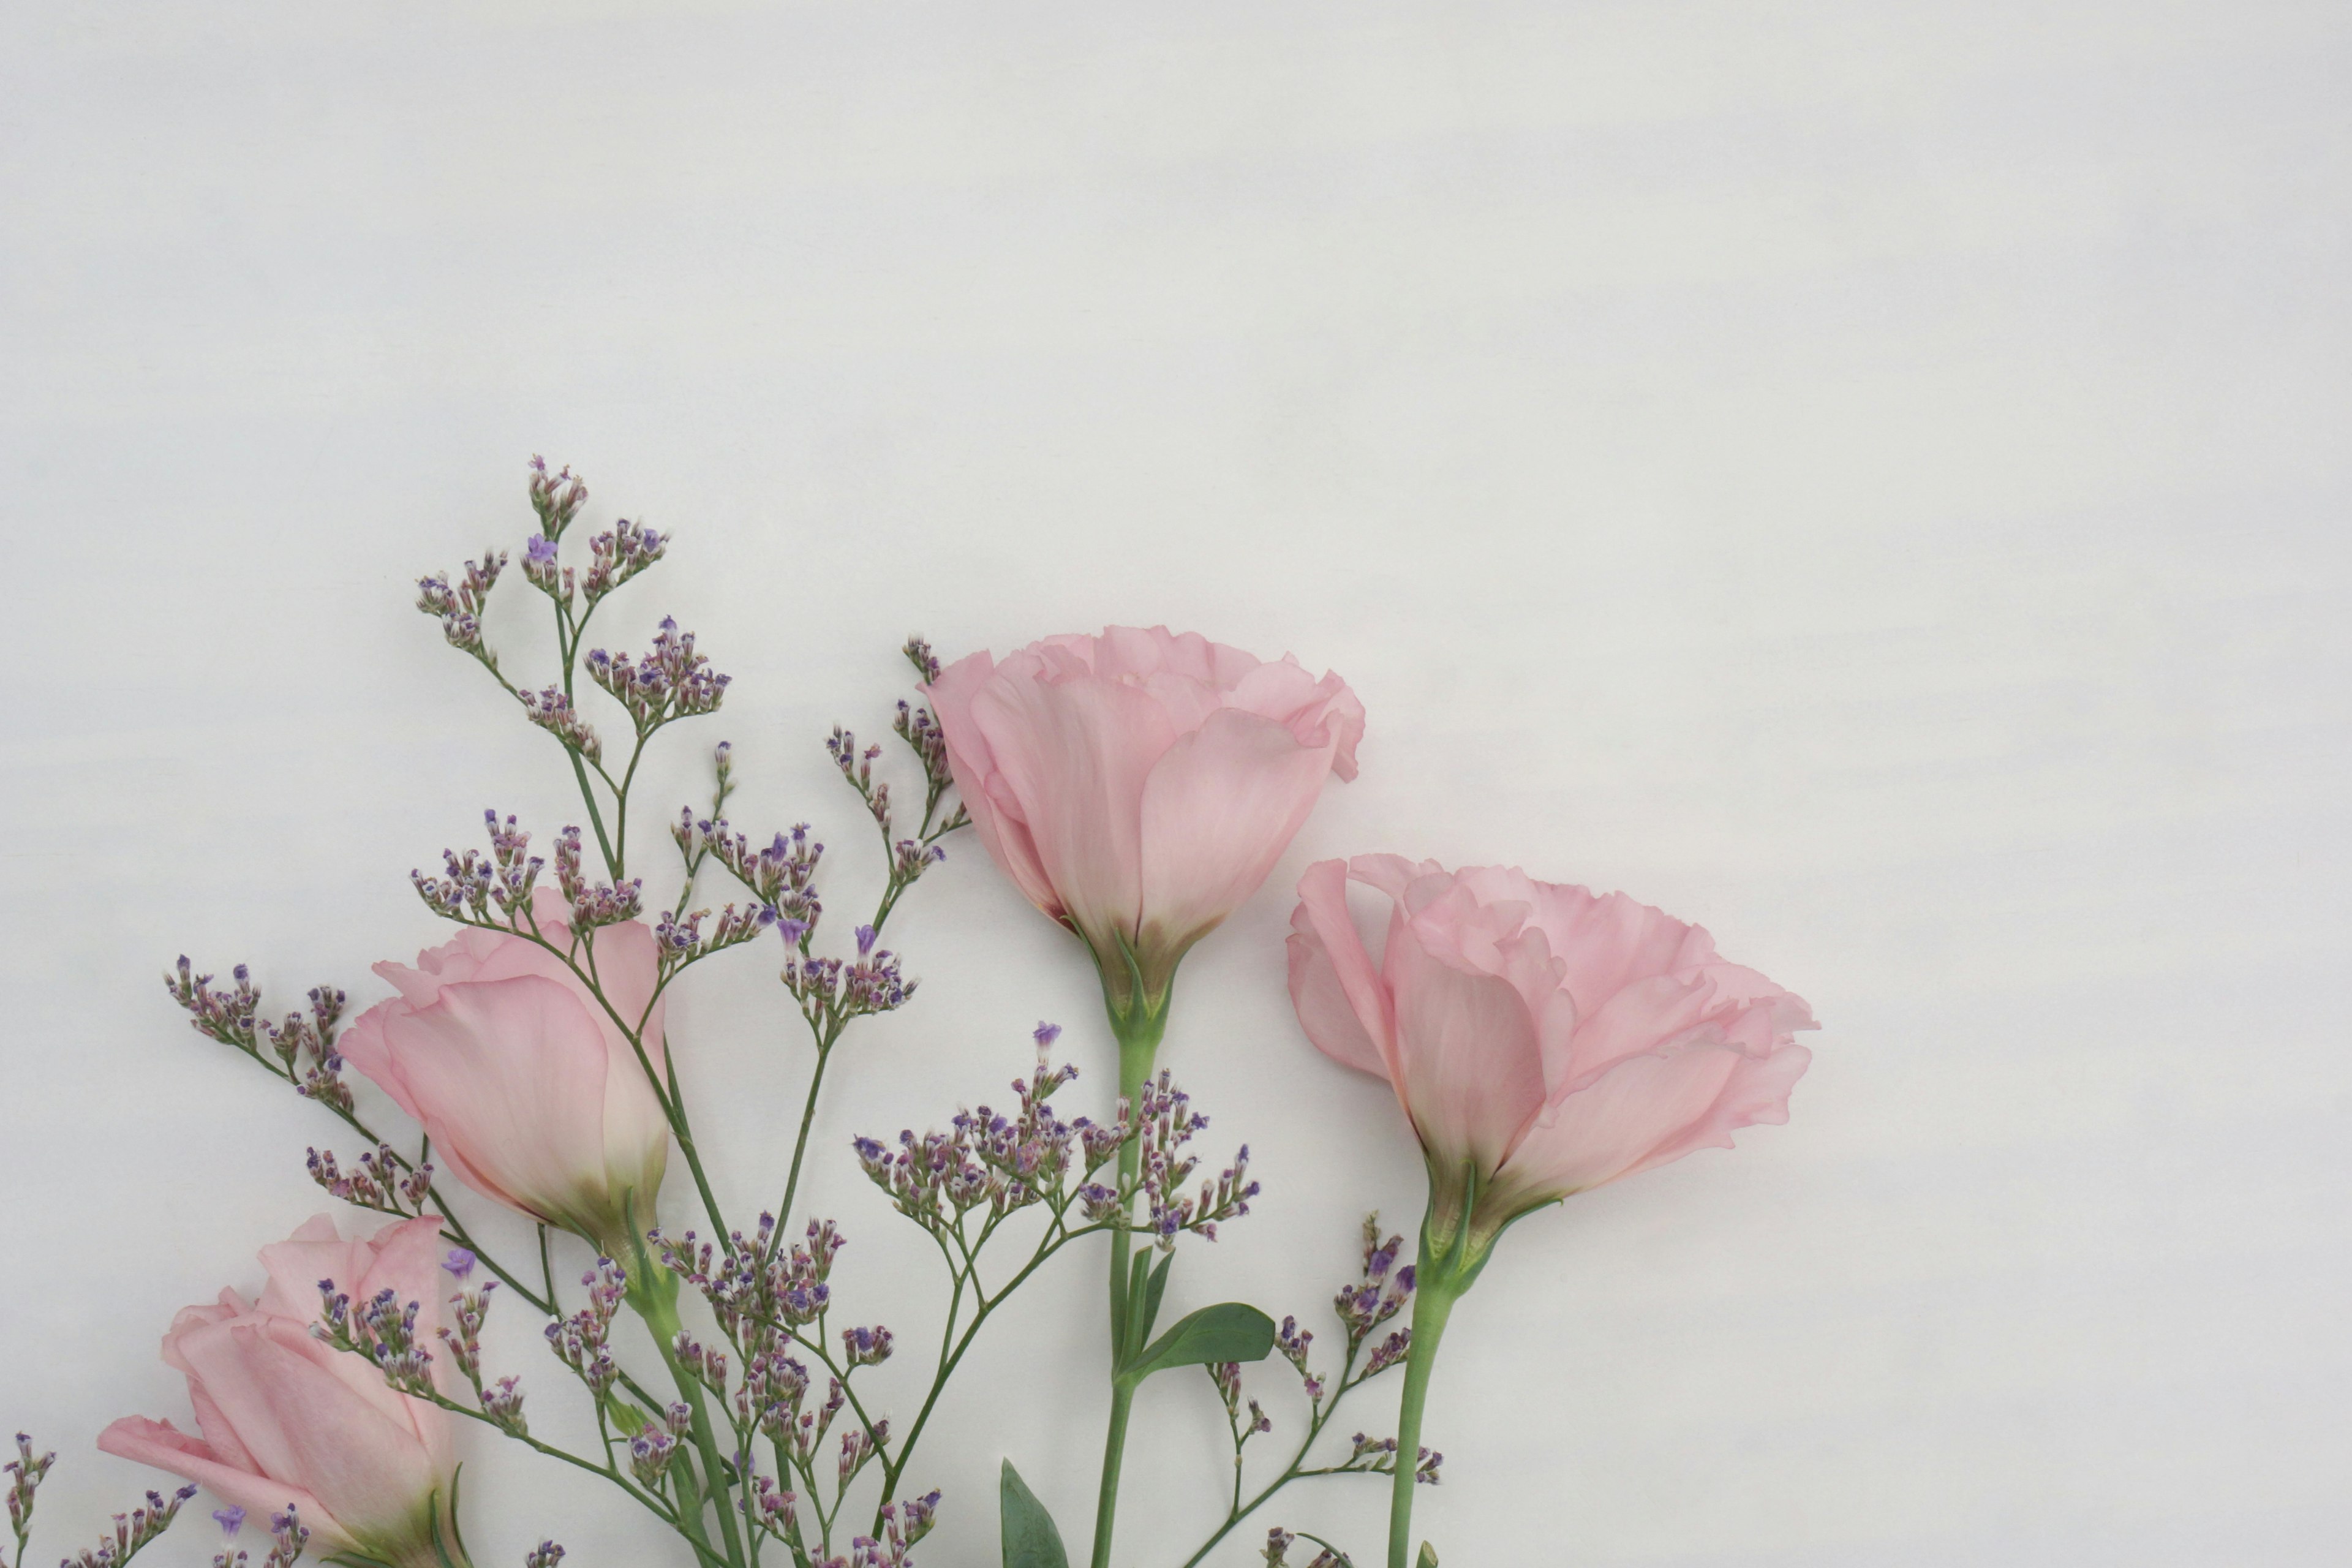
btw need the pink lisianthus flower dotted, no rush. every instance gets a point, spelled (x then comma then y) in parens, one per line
(284, 1418)
(1138, 785)
(1543, 1039)
(531, 1088)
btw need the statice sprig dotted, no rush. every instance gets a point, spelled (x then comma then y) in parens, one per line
(458, 605)
(1380, 1291)
(552, 710)
(920, 728)
(303, 1045)
(382, 1181)
(140, 1527)
(383, 1328)
(1166, 1122)
(583, 1340)
(672, 681)
(470, 1307)
(1278, 1543)
(556, 497)
(25, 1473)
(288, 1537)
(781, 875)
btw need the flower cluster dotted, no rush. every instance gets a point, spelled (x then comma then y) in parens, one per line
(1166, 1122)
(672, 681)
(24, 1475)
(304, 1044)
(501, 1401)
(655, 1444)
(552, 711)
(782, 875)
(754, 1281)
(681, 940)
(555, 498)
(592, 904)
(288, 1537)
(132, 1530)
(618, 555)
(989, 1161)
(903, 1524)
(583, 1340)
(909, 857)
(832, 992)
(1278, 1543)
(472, 885)
(382, 1328)
(382, 1181)
(459, 608)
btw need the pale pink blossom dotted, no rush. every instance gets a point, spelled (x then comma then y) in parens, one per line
(1138, 785)
(1543, 1039)
(284, 1419)
(527, 1083)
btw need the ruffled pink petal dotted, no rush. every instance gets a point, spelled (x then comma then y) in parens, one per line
(163, 1446)
(1467, 1060)
(1341, 1002)
(1721, 1004)
(1076, 753)
(1610, 942)
(1219, 808)
(1002, 833)
(306, 1427)
(363, 1047)
(1756, 1093)
(511, 1077)
(1617, 1123)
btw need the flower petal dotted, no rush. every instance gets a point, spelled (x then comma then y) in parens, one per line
(1468, 1064)
(1341, 1002)
(1219, 808)
(165, 1447)
(1075, 753)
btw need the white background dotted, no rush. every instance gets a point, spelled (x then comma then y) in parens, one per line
(1868, 477)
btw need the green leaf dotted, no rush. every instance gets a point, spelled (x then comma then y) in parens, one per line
(1030, 1539)
(1153, 1288)
(1230, 1331)
(1428, 1556)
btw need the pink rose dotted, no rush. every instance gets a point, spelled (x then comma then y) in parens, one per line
(1542, 1038)
(286, 1419)
(530, 1091)
(1138, 785)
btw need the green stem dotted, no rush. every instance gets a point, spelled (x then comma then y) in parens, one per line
(653, 1291)
(1435, 1290)
(1138, 1044)
(799, 1144)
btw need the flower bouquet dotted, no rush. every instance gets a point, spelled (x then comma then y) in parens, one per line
(1136, 786)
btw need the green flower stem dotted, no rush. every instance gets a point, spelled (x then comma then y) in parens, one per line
(1437, 1285)
(1139, 1033)
(653, 1291)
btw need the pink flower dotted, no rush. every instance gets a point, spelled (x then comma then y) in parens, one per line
(531, 1090)
(286, 1419)
(1138, 785)
(1542, 1038)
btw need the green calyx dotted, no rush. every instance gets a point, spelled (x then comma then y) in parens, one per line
(1136, 986)
(1468, 1212)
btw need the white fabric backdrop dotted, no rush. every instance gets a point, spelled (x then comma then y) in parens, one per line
(1871, 479)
